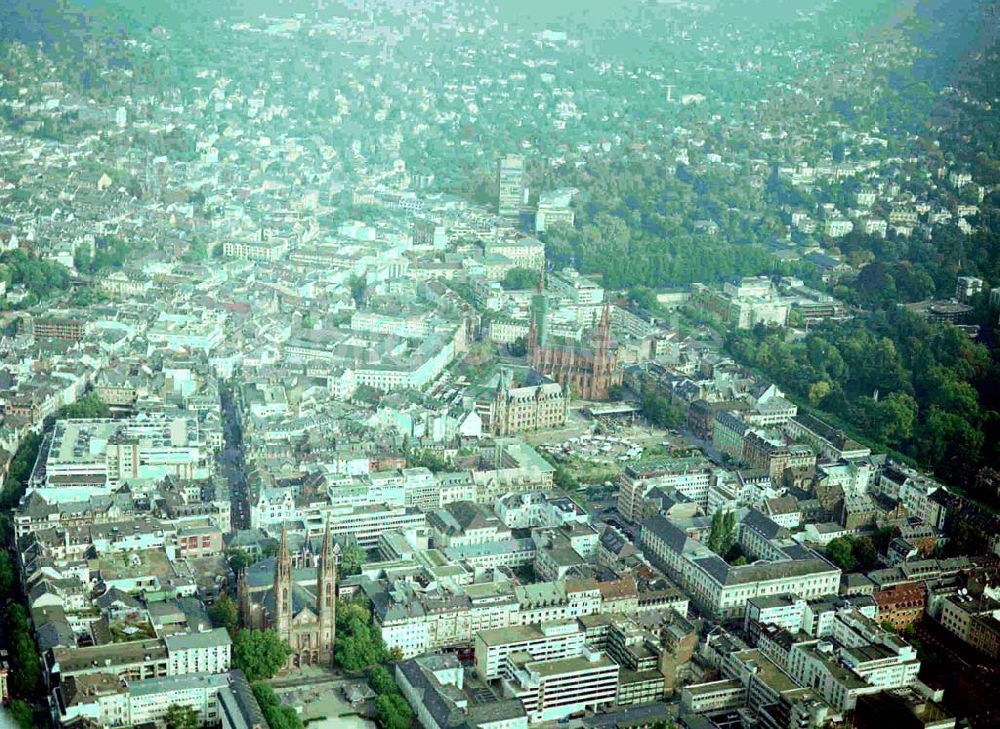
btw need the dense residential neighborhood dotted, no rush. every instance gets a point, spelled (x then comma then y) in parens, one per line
(460, 365)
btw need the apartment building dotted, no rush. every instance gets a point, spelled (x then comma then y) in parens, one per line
(525, 252)
(691, 477)
(901, 605)
(974, 620)
(417, 620)
(265, 251)
(861, 658)
(207, 651)
(71, 329)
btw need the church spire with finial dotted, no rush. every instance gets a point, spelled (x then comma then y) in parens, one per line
(283, 587)
(326, 596)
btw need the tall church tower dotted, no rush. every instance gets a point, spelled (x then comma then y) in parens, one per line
(243, 599)
(282, 621)
(536, 329)
(499, 419)
(326, 597)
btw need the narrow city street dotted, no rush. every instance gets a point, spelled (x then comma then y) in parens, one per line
(969, 680)
(230, 460)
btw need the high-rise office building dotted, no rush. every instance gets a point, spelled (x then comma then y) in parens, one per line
(510, 185)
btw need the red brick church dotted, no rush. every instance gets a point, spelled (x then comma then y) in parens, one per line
(587, 369)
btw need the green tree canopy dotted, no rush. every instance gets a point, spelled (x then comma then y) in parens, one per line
(358, 644)
(260, 653)
(393, 711)
(660, 411)
(519, 279)
(278, 716)
(22, 714)
(852, 553)
(352, 559)
(224, 613)
(181, 717)
(26, 671)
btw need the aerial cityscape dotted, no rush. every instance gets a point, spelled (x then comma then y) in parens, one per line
(485, 364)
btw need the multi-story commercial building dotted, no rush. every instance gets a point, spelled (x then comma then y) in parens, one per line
(554, 209)
(149, 700)
(465, 523)
(508, 331)
(704, 698)
(416, 622)
(545, 641)
(413, 368)
(433, 684)
(783, 611)
(743, 303)
(562, 600)
(429, 234)
(203, 331)
(967, 288)
(527, 510)
(832, 444)
(837, 227)
(410, 326)
(207, 651)
(365, 523)
(728, 431)
(99, 697)
(526, 252)
(773, 456)
(919, 493)
(420, 620)
(84, 458)
(215, 699)
(555, 689)
(132, 661)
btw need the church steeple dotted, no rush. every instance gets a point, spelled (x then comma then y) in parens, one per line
(283, 587)
(604, 325)
(243, 599)
(326, 596)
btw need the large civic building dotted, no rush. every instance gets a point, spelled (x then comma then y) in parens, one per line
(722, 590)
(535, 404)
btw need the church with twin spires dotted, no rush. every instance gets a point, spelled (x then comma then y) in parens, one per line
(305, 618)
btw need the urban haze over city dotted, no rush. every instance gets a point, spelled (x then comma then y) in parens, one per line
(494, 364)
